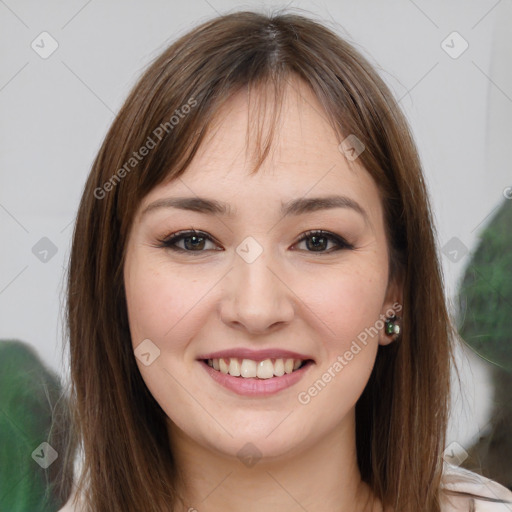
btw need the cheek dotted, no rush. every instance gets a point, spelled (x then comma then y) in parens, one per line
(160, 303)
(163, 306)
(350, 306)
(349, 303)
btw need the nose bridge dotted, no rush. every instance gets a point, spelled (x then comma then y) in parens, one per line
(256, 279)
(257, 298)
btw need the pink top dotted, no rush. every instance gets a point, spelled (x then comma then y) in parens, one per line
(477, 493)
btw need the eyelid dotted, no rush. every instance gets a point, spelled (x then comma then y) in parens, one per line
(169, 240)
(342, 243)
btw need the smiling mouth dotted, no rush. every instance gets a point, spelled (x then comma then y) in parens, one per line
(251, 369)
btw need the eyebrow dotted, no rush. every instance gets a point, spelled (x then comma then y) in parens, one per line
(298, 206)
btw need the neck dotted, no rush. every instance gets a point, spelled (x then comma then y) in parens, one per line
(323, 476)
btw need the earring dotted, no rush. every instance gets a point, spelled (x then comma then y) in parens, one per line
(392, 326)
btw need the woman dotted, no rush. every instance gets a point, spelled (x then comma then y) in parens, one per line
(256, 311)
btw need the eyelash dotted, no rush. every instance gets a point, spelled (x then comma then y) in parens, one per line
(169, 242)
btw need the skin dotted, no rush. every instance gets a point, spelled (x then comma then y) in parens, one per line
(291, 297)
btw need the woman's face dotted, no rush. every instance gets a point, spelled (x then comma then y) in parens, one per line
(251, 291)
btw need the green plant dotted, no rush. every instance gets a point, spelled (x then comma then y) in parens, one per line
(28, 400)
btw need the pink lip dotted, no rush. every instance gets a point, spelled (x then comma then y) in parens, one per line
(255, 387)
(255, 355)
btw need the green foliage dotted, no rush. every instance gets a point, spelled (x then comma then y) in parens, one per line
(29, 391)
(485, 296)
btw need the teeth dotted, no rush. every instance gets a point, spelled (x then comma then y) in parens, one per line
(279, 368)
(224, 368)
(247, 368)
(234, 367)
(265, 369)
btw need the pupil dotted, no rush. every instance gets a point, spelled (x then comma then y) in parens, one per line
(194, 244)
(316, 245)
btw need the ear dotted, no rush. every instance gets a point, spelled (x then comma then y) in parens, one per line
(393, 305)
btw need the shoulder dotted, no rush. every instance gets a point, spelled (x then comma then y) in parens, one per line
(68, 507)
(466, 491)
(71, 505)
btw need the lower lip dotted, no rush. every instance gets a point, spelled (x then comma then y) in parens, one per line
(257, 387)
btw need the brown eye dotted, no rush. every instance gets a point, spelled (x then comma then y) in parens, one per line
(317, 241)
(196, 242)
(193, 241)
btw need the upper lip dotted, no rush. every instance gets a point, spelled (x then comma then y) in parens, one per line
(255, 355)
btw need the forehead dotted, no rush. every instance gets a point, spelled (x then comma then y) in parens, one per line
(296, 123)
(304, 157)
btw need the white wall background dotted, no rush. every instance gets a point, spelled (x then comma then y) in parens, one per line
(55, 111)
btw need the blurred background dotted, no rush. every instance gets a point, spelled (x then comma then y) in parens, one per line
(68, 66)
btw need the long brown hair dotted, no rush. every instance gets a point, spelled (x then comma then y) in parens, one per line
(401, 417)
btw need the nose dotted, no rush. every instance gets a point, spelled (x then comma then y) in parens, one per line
(257, 298)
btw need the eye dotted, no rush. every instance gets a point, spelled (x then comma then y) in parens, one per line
(196, 241)
(193, 241)
(319, 240)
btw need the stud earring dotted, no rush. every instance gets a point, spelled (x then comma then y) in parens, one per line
(392, 327)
